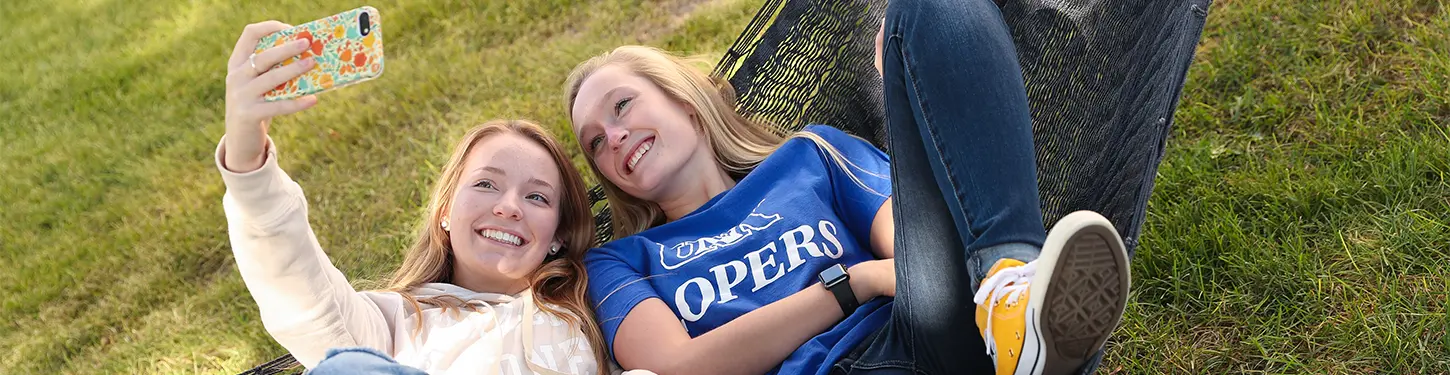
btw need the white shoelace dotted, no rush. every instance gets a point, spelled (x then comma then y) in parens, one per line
(1009, 282)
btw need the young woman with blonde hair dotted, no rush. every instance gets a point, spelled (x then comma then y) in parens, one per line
(493, 284)
(741, 251)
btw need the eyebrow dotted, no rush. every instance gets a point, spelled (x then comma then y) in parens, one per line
(534, 181)
(539, 182)
(602, 100)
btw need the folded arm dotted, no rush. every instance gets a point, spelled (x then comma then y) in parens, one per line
(651, 337)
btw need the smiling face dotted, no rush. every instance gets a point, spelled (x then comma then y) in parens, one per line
(637, 136)
(504, 213)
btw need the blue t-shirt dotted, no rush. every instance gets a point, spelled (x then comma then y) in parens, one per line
(763, 240)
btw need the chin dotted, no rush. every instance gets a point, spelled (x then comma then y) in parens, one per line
(515, 267)
(643, 185)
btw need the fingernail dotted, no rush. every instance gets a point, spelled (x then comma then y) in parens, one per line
(300, 42)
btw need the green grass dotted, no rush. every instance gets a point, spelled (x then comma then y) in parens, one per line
(1301, 221)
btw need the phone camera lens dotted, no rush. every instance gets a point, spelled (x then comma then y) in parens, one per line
(364, 24)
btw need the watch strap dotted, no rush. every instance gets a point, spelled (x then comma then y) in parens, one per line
(845, 297)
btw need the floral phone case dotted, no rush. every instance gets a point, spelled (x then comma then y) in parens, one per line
(347, 46)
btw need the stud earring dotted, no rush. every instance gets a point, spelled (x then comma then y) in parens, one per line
(554, 249)
(445, 226)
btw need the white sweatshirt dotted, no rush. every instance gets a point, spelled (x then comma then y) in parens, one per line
(308, 306)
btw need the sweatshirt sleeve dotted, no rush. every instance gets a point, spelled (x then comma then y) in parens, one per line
(306, 304)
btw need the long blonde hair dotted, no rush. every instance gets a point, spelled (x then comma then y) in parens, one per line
(738, 143)
(560, 281)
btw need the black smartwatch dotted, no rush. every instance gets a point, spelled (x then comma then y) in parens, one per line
(835, 279)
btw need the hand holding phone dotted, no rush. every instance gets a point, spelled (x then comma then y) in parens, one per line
(275, 68)
(347, 46)
(247, 115)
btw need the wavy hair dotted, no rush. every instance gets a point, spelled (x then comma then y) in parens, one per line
(738, 143)
(560, 282)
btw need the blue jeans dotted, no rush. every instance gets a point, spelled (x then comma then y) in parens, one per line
(361, 361)
(964, 181)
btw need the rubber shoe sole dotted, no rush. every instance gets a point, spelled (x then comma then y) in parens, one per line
(1078, 294)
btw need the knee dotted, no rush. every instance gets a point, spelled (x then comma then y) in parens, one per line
(944, 16)
(949, 29)
(352, 361)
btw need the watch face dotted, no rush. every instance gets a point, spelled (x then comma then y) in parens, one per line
(833, 274)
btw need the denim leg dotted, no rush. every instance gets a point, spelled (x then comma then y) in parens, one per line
(962, 95)
(361, 361)
(964, 176)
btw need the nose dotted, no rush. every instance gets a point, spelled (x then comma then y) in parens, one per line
(507, 208)
(615, 135)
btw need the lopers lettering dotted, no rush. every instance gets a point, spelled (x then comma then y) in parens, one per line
(756, 269)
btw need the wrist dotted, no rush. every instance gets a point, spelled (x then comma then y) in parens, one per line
(863, 281)
(837, 279)
(243, 157)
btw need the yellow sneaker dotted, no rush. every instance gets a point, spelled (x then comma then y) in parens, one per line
(1051, 315)
(1002, 316)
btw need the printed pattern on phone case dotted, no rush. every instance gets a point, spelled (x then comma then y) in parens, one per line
(343, 54)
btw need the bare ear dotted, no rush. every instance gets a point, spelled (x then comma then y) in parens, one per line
(693, 115)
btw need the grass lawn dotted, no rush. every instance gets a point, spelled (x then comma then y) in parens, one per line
(1301, 222)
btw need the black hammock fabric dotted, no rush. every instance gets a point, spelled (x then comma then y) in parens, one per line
(1103, 79)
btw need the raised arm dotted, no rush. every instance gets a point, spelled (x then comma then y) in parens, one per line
(306, 303)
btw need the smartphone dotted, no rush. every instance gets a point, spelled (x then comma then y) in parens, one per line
(347, 46)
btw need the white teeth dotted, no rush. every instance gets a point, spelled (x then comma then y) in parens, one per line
(639, 154)
(501, 236)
